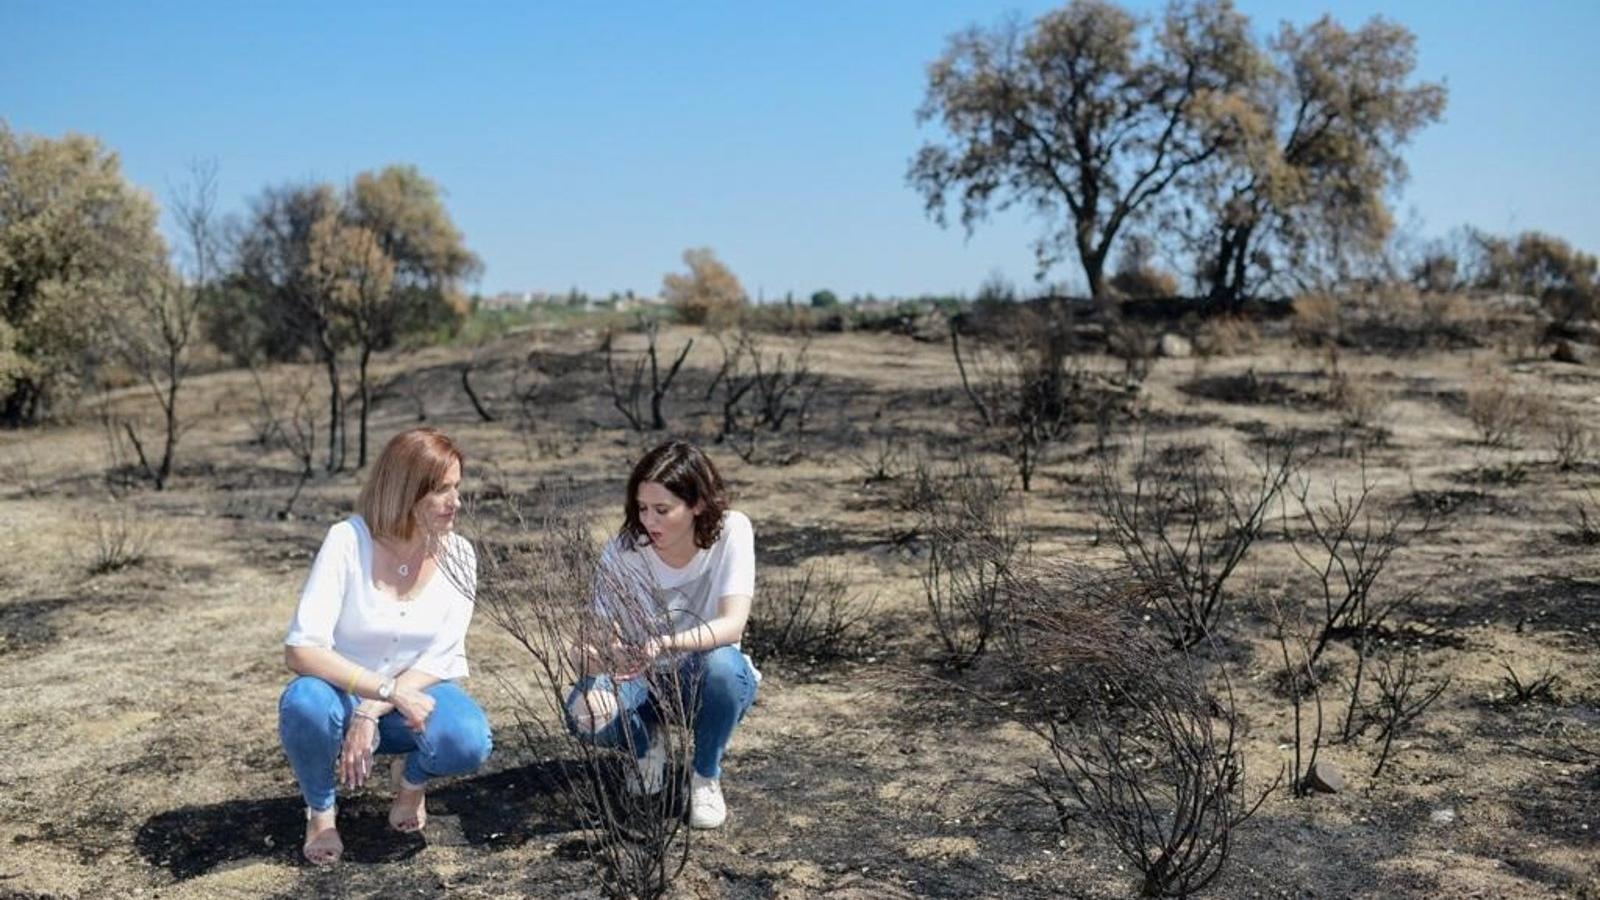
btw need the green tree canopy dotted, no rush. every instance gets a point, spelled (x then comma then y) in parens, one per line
(326, 272)
(74, 235)
(1305, 189)
(1086, 117)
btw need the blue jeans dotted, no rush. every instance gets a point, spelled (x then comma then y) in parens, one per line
(720, 682)
(313, 715)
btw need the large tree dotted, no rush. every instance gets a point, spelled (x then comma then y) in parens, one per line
(1305, 190)
(413, 281)
(74, 235)
(285, 280)
(1082, 118)
(337, 273)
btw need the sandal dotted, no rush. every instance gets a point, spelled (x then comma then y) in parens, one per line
(323, 846)
(407, 824)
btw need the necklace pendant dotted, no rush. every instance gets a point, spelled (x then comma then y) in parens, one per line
(404, 571)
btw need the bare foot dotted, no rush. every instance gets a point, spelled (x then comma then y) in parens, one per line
(409, 812)
(322, 846)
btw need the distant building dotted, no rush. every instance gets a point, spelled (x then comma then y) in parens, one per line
(507, 300)
(624, 300)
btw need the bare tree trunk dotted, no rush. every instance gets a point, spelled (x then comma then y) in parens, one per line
(466, 385)
(165, 472)
(335, 407)
(366, 401)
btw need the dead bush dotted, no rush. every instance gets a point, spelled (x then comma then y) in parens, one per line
(542, 583)
(1188, 526)
(1359, 400)
(883, 459)
(1300, 679)
(1135, 343)
(119, 537)
(808, 615)
(973, 546)
(1025, 380)
(1227, 336)
(1570, 438)
(1347, 547)
(629, 399)
(1503, 412)
(20, 468)
(1403, 696)
(763, 390)
(1139, 746)
(1539, 688)
(1586, 530)
(1318, 319)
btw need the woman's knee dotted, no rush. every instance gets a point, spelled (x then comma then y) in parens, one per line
(591, 711)
(725, 674)
(309, 700)
(462, 745)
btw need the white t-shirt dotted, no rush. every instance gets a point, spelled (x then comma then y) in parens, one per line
(341, 609)
(685, 596)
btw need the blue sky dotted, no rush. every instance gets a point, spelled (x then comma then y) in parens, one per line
(588, 144)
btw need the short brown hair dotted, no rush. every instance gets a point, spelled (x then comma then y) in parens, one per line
(687, 472)
(411, 466)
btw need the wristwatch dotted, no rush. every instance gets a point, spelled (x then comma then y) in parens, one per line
(385, 689)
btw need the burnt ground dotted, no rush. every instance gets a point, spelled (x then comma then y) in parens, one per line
(138, 749)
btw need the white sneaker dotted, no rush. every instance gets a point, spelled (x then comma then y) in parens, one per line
(650, 773)
(706, 809)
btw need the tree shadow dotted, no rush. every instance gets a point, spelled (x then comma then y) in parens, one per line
(495, 811)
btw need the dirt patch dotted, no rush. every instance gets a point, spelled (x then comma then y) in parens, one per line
(138, 750)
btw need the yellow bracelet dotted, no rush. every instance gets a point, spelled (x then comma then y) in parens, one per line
(355, 676)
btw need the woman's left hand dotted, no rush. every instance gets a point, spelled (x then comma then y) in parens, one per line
(355, 757)
(641, 659)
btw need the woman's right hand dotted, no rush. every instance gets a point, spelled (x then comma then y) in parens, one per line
(414, 705)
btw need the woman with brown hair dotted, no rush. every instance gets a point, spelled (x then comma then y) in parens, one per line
(378, 640)
(674, 594)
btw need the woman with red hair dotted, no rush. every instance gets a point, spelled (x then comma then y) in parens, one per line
(378, 641)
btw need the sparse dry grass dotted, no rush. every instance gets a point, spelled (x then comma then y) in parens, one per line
(119, 537)
(1228, 336)
(834, 768)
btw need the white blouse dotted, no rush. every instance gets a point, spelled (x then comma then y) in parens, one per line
(687, 596)
(341, 609)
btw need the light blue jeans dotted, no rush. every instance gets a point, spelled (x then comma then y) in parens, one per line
(313, 716)
(721, 683)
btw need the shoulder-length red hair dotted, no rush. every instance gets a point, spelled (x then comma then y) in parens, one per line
(412, 465)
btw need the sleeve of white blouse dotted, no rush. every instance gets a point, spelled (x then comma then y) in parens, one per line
(322, 598)
(738, 575)
(624, 592)
(446, 656)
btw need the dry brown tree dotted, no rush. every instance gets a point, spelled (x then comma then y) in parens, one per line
(152, 330)
(628, 399)
(761, 391)
(542, 581)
